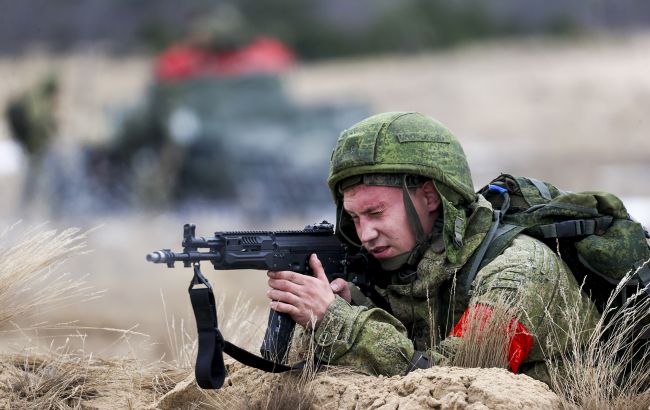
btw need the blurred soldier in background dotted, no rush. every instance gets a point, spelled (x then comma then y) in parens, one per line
(32, 122)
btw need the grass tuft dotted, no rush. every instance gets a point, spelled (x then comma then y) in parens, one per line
(610, 367)
(486, 336)
(28, 271)
(53, 381)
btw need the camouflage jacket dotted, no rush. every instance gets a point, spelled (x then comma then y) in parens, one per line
(31, 118)
(425, 308)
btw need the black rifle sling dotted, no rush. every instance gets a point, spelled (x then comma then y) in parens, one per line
(210, 370)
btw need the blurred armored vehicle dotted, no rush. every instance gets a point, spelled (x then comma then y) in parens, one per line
(231, 139)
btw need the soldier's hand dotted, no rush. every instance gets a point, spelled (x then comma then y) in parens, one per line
(305, 298)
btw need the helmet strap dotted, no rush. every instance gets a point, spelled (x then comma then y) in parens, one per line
(341, 230)
(416, 225)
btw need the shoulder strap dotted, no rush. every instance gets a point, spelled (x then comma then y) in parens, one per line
(210, 370)
(541, 187)
(482, 249)
(491, 247)
(492, 234)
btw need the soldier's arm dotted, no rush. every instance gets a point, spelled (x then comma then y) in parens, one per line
(370, 340)
(531, 279)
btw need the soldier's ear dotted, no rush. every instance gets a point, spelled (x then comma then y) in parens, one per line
(431, 196)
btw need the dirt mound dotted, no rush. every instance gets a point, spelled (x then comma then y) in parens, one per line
(435, 388)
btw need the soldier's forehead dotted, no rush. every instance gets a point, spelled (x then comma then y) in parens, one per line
(364, 196)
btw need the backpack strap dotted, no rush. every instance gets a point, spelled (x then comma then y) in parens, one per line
(504, 236)
(576, 227)
(497, 230)
(541, 187)
(480, 252)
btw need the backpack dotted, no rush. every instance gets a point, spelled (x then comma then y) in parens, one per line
(591, 231)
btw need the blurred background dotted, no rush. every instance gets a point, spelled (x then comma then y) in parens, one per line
(137, 117)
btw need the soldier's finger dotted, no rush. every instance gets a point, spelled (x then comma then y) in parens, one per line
(285, 285)
(317, 267)
(284, 297)
(284, 308)
(287, 275)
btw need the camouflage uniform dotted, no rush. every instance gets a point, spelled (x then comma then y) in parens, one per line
(32, 119)
(31, 116)
(426, 301)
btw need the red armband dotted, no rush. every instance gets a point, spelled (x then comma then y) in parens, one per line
(521, 341)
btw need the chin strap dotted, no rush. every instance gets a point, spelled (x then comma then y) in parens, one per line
(421, 240)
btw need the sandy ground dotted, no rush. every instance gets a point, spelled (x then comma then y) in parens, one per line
(571, 113)
(435, 388)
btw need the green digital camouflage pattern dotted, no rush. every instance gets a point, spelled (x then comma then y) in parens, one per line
(401, 142)
(617, 251)
(412, 306)
(425, 310)
(618, 245)
(369, 340)
(535, 280)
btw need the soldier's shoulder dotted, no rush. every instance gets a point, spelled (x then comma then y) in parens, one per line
(527, 253)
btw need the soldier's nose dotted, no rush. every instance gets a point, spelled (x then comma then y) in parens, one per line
(367, 232)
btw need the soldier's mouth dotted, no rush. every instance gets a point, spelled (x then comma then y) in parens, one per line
(380, 251)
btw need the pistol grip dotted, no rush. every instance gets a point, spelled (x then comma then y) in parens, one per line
(277, 337)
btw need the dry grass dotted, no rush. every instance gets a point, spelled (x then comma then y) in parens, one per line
(56, 381)
(241, 325)
(61, 379)
(608, 369)
(290, 390)
(486, 337)
(28, 271)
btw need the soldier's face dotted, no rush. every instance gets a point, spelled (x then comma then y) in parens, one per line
(380, 217)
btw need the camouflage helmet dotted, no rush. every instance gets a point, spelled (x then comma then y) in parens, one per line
(404, 143)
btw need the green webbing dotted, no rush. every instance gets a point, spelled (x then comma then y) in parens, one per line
(541, 187)
(573, 207)
(496, 230)
(504, 236)
(480, 253)
(576, 227)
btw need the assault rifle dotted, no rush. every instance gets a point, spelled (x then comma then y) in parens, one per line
(263, 250)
